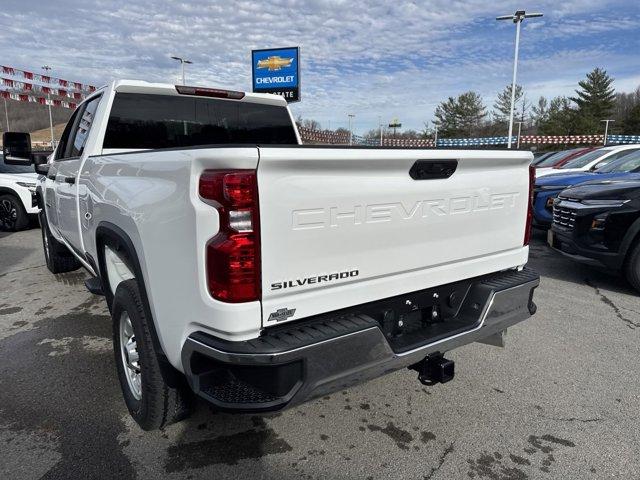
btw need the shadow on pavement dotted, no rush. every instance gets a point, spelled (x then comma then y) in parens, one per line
(565, 269)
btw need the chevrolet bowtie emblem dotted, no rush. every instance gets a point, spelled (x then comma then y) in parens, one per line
(275, 63)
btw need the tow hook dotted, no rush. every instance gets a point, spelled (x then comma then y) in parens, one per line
(434, 369)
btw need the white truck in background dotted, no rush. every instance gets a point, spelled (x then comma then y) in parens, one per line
(260, 273)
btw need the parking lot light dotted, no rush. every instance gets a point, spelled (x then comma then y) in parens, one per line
(517, 18)
(606, 129)
(182, 62)
(47, 68)
(351, 115)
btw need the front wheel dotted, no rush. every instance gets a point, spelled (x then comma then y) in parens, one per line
(58, 258)
(151, 401)
(13, 216)
(632, 267)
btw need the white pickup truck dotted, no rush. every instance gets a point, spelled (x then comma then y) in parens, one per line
(260, 273)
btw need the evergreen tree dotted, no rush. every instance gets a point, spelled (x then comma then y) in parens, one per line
(447, 119)
(463, 115)
(631, 125)
(471, 111)
(560, 118)
(595, 100)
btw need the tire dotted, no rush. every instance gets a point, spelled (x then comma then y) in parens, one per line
(59, 259)
(151, 401)
(13, 216)
(632, 267)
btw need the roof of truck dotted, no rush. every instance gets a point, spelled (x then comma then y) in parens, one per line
(141, 86)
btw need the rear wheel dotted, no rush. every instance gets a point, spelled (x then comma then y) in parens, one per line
(632, 267)
(152, 401)
(13, 216)
(58, 257)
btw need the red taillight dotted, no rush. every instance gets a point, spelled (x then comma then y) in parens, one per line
(233, 255)
(527, 227)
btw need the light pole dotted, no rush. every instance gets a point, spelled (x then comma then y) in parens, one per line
(6, 114)
(435, 136)
(517, 18)
(182, 62)
(519, 129)
(606, 129)
(380, 127)
(350, 115)
(47, 68)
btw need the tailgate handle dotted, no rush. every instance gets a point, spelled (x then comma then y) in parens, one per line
(433, 169)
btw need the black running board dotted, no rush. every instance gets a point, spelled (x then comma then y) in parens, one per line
(94, 285)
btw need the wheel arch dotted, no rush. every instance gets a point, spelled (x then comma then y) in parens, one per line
(14, 193)
(108, 234)
(629, 240)
(11, 191)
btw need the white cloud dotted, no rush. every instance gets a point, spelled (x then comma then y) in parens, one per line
(371, 58)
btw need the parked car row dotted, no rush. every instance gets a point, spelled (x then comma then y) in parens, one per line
(591, 206)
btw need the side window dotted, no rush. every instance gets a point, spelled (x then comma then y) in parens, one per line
(75, 134)
(83, 127)
(64, 139)
(615, 156)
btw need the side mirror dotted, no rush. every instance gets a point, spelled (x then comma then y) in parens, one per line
(40, 162)
(16, 148)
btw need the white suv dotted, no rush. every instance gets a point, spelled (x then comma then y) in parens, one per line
(17, 196)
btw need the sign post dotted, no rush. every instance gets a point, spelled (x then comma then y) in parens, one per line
(277, 70)
(395, 123)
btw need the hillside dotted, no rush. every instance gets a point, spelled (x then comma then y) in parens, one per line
(44, 135)
(27, 117)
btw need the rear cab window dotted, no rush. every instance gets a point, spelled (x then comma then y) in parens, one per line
(149, 121)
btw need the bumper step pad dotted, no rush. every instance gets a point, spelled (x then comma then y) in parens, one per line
(293, 362)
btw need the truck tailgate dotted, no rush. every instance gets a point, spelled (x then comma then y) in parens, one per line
(342, 226)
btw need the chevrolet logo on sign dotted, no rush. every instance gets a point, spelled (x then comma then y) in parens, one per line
(275, 63)
(277, 71)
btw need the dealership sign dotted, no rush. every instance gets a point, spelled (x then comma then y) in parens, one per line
(277, 70)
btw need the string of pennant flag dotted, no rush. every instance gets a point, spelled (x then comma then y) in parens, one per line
(16, 72)
(26, 86)
(32, 87)
(23, 97)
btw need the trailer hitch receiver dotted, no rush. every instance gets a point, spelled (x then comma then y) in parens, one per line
(434, 369)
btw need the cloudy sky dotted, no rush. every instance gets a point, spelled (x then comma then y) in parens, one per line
(389, 59)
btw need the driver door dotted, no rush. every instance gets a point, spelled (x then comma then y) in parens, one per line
(68, 165)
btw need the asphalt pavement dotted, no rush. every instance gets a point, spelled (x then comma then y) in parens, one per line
(561, 400)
